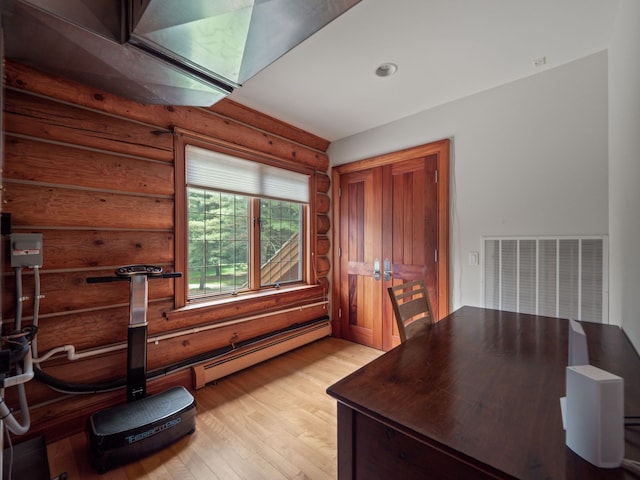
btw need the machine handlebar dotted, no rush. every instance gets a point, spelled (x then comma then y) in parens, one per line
(125, 273)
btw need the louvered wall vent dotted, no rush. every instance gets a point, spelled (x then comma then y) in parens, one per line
(563, 277)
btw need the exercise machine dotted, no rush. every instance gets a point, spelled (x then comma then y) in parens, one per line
(144, 424)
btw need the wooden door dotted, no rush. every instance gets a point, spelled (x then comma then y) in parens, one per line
(391, 227)
(409, 235)
(360, 249)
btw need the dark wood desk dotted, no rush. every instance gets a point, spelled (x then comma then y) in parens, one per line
(476, 397)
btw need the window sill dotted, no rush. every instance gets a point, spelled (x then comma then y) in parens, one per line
(222, 309)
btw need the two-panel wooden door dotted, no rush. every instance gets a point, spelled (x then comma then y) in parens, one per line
(388, 227)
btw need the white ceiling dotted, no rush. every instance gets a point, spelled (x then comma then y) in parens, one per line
(444, 49)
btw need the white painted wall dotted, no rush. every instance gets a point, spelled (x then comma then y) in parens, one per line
(529, 158)
(624, 170)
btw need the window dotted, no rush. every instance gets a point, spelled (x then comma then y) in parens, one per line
(245, 224)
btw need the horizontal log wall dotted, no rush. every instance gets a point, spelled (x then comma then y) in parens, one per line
(94, 174)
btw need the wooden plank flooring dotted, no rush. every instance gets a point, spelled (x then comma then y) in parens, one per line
(270, 421)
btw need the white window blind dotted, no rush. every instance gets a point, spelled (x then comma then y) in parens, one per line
(560, 277)
(212, 169)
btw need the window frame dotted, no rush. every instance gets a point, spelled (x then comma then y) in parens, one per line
(184, 138)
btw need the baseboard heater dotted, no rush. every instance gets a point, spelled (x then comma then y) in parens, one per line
(255, 353)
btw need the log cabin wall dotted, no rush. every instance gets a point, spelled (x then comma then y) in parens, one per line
(94, 174)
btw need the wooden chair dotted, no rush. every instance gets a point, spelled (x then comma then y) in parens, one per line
(411, 308)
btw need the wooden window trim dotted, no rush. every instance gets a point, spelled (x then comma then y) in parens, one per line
(181, 139)
(244, 304)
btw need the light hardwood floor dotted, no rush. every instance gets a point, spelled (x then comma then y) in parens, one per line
(270, 421)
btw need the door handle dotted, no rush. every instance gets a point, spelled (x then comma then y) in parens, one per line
(376, 269)
(387, 270)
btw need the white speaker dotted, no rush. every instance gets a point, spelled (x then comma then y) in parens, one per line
(595, 415)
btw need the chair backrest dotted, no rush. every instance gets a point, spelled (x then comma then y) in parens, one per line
(411, 307)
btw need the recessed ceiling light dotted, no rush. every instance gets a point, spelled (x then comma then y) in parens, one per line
(386, 69)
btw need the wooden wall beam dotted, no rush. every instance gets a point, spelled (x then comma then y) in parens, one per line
(286, 143)
(35, 160)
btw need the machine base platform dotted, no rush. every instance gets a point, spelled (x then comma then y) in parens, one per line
(125, 433)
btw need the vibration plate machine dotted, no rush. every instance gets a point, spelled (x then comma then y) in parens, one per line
(145, 424)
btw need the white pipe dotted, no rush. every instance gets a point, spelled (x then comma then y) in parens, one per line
(19, 299)
(36, 308)
(72, 355)
(12, 424)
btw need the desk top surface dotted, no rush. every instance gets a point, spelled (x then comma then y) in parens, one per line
(485, 385)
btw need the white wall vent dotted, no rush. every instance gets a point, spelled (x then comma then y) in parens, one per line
(563, 277)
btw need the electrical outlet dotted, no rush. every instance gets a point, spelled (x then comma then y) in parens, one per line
(540, 61)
